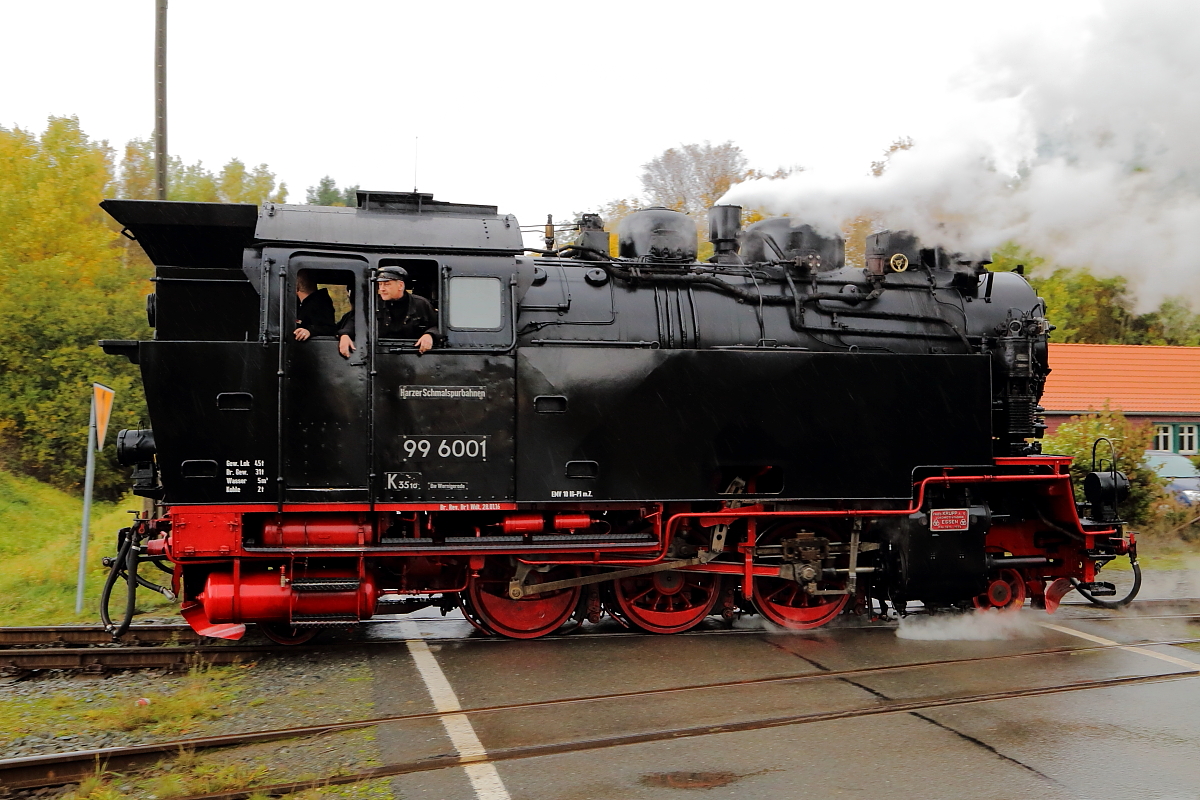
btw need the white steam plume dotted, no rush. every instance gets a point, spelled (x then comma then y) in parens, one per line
(976, 626)
(1087, 152)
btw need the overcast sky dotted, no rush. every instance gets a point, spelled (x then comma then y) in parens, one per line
(538, 107)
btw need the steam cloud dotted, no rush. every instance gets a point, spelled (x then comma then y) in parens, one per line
(976, 626)
(1087, 153)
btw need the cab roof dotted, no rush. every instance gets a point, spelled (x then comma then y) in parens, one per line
(185, 234)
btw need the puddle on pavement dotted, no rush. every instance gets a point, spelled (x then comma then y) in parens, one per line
(689, 780)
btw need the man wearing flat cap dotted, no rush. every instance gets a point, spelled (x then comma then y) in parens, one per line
(399, 315)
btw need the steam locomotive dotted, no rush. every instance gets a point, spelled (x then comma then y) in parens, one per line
(646, 435)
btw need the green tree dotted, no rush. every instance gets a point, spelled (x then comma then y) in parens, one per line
(1173, 323)
(65, 285)
(1093, 310)
(327, 193)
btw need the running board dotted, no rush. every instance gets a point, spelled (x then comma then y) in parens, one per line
(325, 584)
(323, 621)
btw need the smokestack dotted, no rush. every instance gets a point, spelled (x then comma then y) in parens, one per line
(724, 231)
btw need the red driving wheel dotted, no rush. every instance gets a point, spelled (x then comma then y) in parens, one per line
(1006, 590)
(531, 616)
(786, 603)
(667, 602)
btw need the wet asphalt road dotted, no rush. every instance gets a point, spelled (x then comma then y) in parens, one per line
(1129, 741)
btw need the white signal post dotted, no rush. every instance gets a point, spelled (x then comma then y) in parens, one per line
(102, 402)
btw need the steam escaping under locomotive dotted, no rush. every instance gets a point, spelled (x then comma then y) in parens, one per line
(646, 435)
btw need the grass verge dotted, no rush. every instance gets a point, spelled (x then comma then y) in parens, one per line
(173, 707)
(39, 545)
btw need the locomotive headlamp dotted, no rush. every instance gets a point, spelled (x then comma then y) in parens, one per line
(135, 446)
(1104, 492)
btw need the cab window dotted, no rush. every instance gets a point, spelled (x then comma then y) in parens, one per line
(474, 303)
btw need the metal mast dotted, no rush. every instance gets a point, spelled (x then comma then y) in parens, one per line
(160, 100)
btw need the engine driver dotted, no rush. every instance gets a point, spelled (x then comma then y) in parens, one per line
(314, 309)
(399, 315)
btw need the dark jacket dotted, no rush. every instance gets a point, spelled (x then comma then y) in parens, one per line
(410, 317)
(315, 313)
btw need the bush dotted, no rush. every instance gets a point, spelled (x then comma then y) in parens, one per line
(1076, 437)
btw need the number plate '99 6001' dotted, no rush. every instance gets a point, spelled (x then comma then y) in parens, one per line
(444, 448)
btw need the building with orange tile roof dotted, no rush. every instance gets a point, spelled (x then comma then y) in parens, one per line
(1147, 383)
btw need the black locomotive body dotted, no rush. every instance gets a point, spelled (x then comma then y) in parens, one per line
(646, 434)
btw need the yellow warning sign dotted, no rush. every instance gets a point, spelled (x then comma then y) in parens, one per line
(102, 398)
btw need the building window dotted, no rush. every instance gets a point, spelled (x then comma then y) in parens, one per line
(1187, 439)
(1162, 437)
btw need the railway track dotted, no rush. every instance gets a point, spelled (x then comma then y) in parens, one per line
(61, 768)
(673, 734)
(62, 635)
(32, 655)
(90, 648)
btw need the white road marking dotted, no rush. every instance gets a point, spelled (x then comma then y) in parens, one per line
(483, 776)
(1179, 662)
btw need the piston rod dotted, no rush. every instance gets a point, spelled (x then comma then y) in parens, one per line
(516, 590)
(1018, 561)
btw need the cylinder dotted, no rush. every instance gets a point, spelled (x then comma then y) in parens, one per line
(317, 530)
(524, 523)
(260, 598)
(277, 596)
(572, 522)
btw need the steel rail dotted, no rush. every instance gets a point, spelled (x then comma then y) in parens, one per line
(98, 659)
(95, 634)
(674, 734)
(54, 769)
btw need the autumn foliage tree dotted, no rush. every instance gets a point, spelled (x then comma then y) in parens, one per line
(234, 183)
(64, 284)
(690, 178)
(68, 278)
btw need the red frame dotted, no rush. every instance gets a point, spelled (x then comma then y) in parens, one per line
(211, 534)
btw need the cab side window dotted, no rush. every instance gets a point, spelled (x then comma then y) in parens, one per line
(475, 303)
